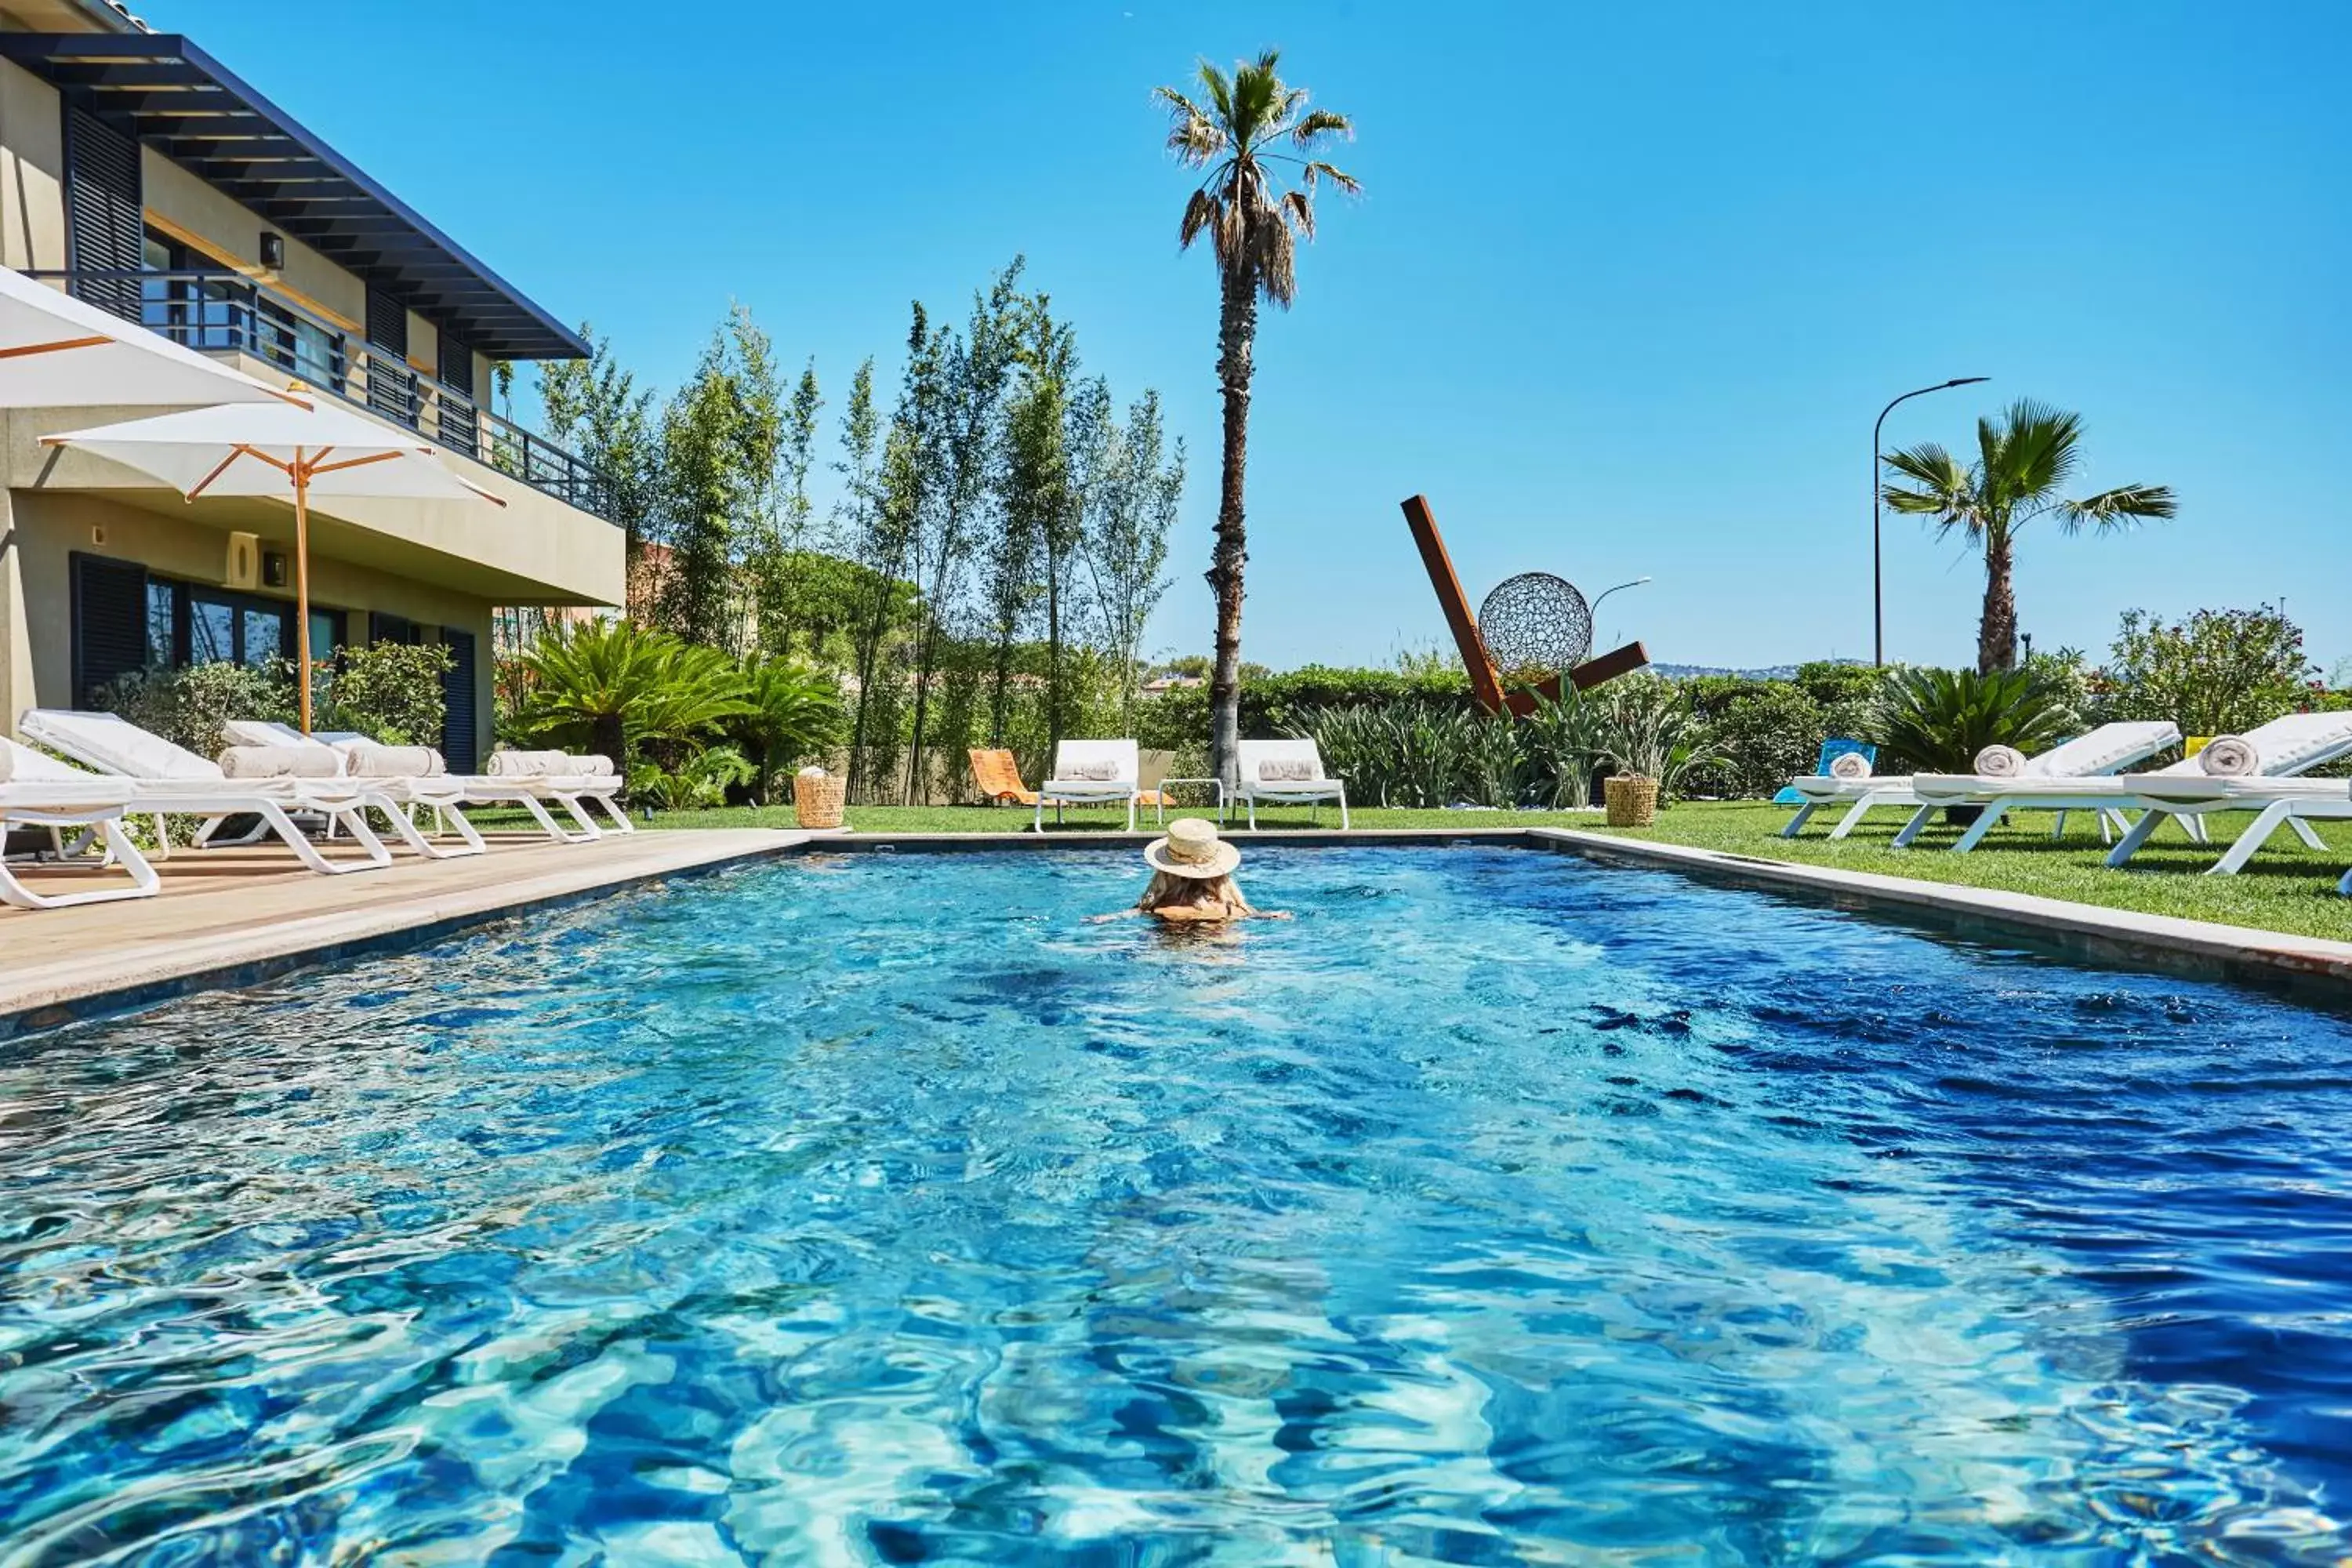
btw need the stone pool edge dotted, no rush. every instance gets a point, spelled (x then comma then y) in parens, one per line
(2094, 933)
(55, 996)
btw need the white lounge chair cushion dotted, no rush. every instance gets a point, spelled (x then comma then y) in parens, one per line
(369, 761)
(109, 742)
(279, 762)
(2104, 749)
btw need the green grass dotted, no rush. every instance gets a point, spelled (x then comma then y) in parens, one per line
(2286, 889)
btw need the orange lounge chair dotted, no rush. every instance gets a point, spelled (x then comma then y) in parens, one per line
(997, 777)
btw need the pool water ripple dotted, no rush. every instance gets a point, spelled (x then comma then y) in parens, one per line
(1497, 1209)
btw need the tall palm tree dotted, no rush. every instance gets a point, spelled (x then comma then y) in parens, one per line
(2021, 464)
(1253, 128)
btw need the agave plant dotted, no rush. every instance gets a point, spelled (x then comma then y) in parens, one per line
(1562, 738)
(1356, 743)
(795, 713)
(616, 684)
(1647, 729)
(1940, 719)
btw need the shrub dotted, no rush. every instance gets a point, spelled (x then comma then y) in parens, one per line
(1648, 729)
(389, 691)
(700, 779)
(1563, 748)
(1763, 735)
(2219, 672)
(1938, 720)
(188, 707)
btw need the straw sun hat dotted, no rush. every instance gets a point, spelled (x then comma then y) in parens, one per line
(1192, 849)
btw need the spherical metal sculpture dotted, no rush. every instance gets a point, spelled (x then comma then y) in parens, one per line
(1535, 621)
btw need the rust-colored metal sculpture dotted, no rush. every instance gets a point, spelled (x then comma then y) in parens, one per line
(1485, 680)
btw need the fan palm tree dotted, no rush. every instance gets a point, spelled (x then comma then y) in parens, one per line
(2022, 462)
(1252, 129)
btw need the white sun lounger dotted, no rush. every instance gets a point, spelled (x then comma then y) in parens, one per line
(1122, 786)
(1250, 760)
(436, 792)
(168, 778)
(2288, 746)
(38, 790)
(572, 792)
(2105, 750)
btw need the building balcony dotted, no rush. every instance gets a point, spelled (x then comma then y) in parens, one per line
(228, 315)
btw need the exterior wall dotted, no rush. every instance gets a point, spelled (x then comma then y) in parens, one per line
(32, 171)
(48, 529)
(182, 206)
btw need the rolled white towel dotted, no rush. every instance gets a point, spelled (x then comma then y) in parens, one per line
(586, 764)
(810, 772)
(526, 764)
(2231, 757)
(279, 762)
(373, 762)
(1849, 765)
(2001, 762)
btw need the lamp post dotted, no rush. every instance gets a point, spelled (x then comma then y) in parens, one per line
(1606, 592)
(1877, 554)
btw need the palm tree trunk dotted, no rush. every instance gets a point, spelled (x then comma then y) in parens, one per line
(608, 737)
(1236, 333)
(1996, 630)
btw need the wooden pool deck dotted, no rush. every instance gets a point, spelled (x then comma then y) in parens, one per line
(234, 916)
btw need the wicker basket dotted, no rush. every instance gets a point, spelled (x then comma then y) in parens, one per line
(817, 800)
(1632, 803)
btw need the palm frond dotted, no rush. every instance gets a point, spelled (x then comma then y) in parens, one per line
(1202, 212)
(1219, 90)
(1301, 212)
(1340, 177)
(1318, 123)
(2121, 508)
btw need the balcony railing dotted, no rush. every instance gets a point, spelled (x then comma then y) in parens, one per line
(223, 312)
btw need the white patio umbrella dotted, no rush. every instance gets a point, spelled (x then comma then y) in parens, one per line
(56, 352)
(279, 449)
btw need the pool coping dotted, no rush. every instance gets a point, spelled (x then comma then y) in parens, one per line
(70, 993)
(2093, 933)
(55, 995)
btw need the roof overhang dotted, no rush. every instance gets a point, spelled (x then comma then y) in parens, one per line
(164, 90)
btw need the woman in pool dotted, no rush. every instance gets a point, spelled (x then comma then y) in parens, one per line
(1192, 877)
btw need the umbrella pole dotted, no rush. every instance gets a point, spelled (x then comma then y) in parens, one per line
(302, 581)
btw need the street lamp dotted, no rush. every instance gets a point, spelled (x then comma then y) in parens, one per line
(1606, 592)
(1878, 571)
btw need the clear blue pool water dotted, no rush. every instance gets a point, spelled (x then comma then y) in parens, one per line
(1499, 1209)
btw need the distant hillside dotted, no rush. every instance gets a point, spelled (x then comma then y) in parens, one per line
(1774, 672)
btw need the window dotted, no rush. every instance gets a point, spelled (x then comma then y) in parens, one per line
(207, 312)
(188, 623)
(301, 345)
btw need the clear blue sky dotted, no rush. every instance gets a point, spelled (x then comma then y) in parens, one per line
(1624, 293)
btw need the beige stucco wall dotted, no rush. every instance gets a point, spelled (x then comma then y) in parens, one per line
(184, 206)
(46, 530)
(32, 171)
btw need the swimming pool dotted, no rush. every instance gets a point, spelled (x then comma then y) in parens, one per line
(1499, 1208)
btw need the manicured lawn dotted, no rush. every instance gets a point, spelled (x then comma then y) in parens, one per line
(2287, 887)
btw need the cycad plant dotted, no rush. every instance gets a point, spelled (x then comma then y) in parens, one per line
(618, 686)
(795, 713)
(1938, 720)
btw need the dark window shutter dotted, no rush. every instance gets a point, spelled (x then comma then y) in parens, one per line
(391, 628)
(391, 385)
(106, 223)
(458, 741)
(460, 429)
(110, 622)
